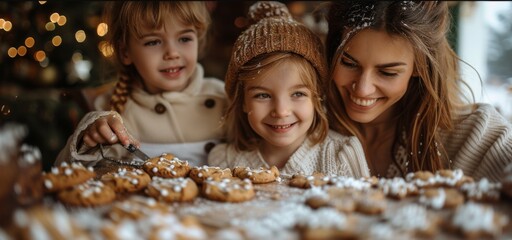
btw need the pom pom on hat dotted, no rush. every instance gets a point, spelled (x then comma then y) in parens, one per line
(273, 29)
(261, 10)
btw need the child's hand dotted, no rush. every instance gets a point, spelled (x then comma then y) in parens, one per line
(108, 130)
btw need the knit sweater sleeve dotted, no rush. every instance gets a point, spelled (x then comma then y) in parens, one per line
(75, 150)
(349, 152)
(481, 144)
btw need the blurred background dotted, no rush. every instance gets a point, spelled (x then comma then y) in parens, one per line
(53, 59)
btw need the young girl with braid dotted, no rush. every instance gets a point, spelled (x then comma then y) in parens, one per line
(162, 102)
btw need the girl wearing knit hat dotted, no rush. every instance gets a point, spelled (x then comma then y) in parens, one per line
(275, 115)
(395, 84)
(162, 98)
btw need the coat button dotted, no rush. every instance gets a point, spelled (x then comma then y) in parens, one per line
(208, 147)
(159, 108)
(209, 103)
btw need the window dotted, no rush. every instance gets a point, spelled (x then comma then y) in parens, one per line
(485, 42)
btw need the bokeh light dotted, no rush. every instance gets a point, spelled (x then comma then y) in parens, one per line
(80, 36)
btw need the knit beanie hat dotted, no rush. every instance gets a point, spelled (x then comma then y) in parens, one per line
(273, 30)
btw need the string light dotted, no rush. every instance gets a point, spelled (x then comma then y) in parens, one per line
(80, 36)
(29, 42)
(54, 17)
(12, 52)
(56, 41)
(39, 56)
(49, 26)
(105, 49)
(62, 20)
(102, 29)
(22, 50)
(7, 26)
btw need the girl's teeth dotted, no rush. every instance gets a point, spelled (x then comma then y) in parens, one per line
(363, 102)
(281, 126)
(172, 70)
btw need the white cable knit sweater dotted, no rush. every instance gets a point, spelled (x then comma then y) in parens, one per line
(338, 155)
(481, 143)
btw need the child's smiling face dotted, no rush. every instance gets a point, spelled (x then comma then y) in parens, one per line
(165, 58)
(279, 106)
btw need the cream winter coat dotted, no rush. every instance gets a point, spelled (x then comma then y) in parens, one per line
(185, 123)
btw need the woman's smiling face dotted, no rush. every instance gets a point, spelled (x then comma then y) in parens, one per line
(372, 74)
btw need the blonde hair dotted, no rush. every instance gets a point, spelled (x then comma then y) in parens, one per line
(432, 98)
(240, 132)
(127, 18)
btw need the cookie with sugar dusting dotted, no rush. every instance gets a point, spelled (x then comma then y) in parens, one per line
(300, 180)
(172, 189)
(371, 201)
(414, 219)
(441, 198)
(166, 166)
(127, 179)
(200, 174)
(88, 194)
(482, 191)
(451, 178)
(397, 187)
(422, 179)
(350, 182)
(66, 175)
(228, 190)
(474, 221)
(261, 175)
(43, 222)
(327, 224)
(137, 207)
(341, 199)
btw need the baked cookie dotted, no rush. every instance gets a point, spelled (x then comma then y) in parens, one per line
(441, 198)
(397, 187)
(451, 178)
(172, 189)
(422, 179)
(154, 226)
(166, 166)
(371, 202)
(87, 194)
(341, 199)
(326, 224)
(40, 222)
(261, 175)
(415, 219)
(66, 175)
(482, 191)
(300, 180)
(126, 179)
(350, 182)
(475, 221)
(200, 174)
(137, 207)
(29, 184)
(228, 190)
